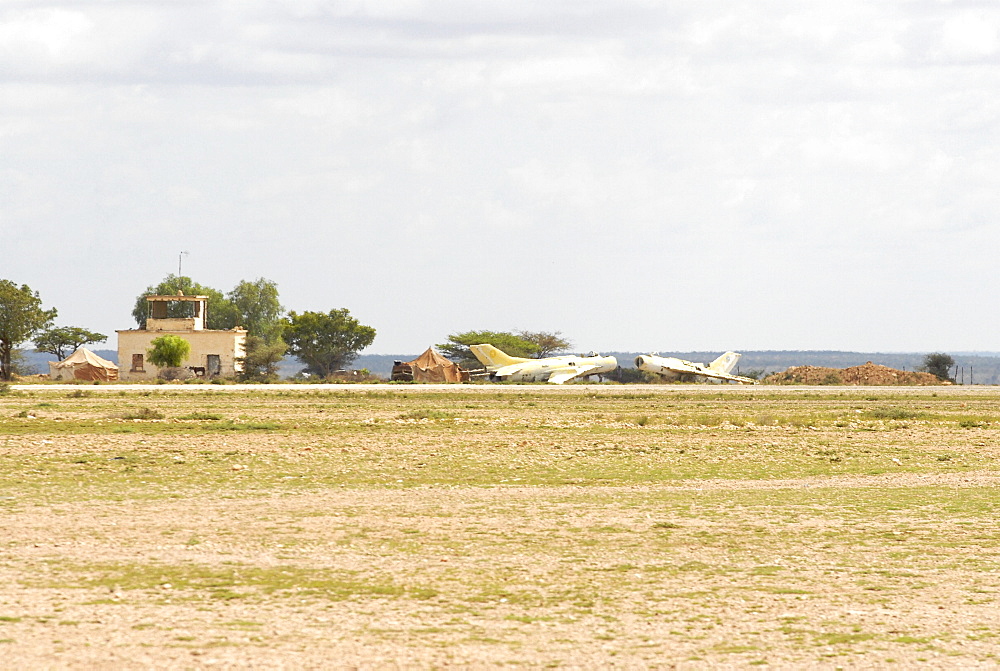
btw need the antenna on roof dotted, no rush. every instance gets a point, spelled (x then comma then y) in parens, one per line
(179, 257)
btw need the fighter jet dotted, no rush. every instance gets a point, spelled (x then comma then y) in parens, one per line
(553, 369)
(688, 371)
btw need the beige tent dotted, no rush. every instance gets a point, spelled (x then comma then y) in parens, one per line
(429, 367)
(83, 365)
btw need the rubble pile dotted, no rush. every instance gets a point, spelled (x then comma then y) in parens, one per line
(868, 374)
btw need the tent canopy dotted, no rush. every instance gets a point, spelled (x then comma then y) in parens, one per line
(83, 365)
(430, 367)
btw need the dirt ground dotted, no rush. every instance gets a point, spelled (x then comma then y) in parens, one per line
(868, 374)
(507, 527)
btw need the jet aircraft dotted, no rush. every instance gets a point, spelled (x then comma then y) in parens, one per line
(553, 369)
(688, 371)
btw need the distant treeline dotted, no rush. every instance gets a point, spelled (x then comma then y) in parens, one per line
(978, 368)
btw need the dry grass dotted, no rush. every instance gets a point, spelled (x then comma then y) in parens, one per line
(581, 526)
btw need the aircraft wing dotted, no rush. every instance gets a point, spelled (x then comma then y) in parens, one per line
(705, 372)
(566, 374)
(689, 368)
(503, 371)
(685, 367)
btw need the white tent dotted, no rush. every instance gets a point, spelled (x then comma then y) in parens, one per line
(83, 365)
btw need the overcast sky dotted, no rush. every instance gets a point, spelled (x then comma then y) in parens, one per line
(639, 175)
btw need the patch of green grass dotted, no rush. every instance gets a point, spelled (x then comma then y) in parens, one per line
(735, 649)
(838, 638)
(893, 413)
(427, 414)
(244, 624)
(666, 525)
(200, 582)
(230, 425)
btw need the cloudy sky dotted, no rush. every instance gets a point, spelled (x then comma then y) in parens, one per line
(639, 175)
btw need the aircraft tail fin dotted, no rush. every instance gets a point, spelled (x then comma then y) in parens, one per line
(725, 363)
(493, 358)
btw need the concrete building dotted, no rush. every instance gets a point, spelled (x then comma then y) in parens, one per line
(213, 353)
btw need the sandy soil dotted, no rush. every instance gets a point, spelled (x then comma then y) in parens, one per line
(897, 569)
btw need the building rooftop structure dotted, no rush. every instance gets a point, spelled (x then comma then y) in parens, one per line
(176, 313)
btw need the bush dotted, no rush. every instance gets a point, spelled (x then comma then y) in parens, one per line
(633, 376)
(893, 414)
(427, 414)
(143, 413)
(175, 373)
(939, 364)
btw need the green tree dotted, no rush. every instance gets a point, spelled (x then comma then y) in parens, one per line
(938, 363)
(64, 340)
(457, 347)
(168, 351)
(261, 361)
(257, 308)
(548, 343)
(220, 313)
(327, 342)
(259, 311)
(21, 318)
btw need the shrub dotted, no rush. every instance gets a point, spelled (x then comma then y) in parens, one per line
(143, 413)
(633, 376)
(893, 413)
(175, 373)
(202, 415)
(427, 414)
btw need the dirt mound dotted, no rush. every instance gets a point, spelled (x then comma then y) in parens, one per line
(868, 374)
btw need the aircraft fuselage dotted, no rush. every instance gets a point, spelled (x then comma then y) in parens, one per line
(561, 367)
(672, 368)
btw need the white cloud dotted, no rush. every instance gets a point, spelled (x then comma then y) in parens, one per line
(970, 36)
(794, 157)
(49, 34)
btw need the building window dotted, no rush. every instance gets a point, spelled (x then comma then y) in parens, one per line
(137, 364)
